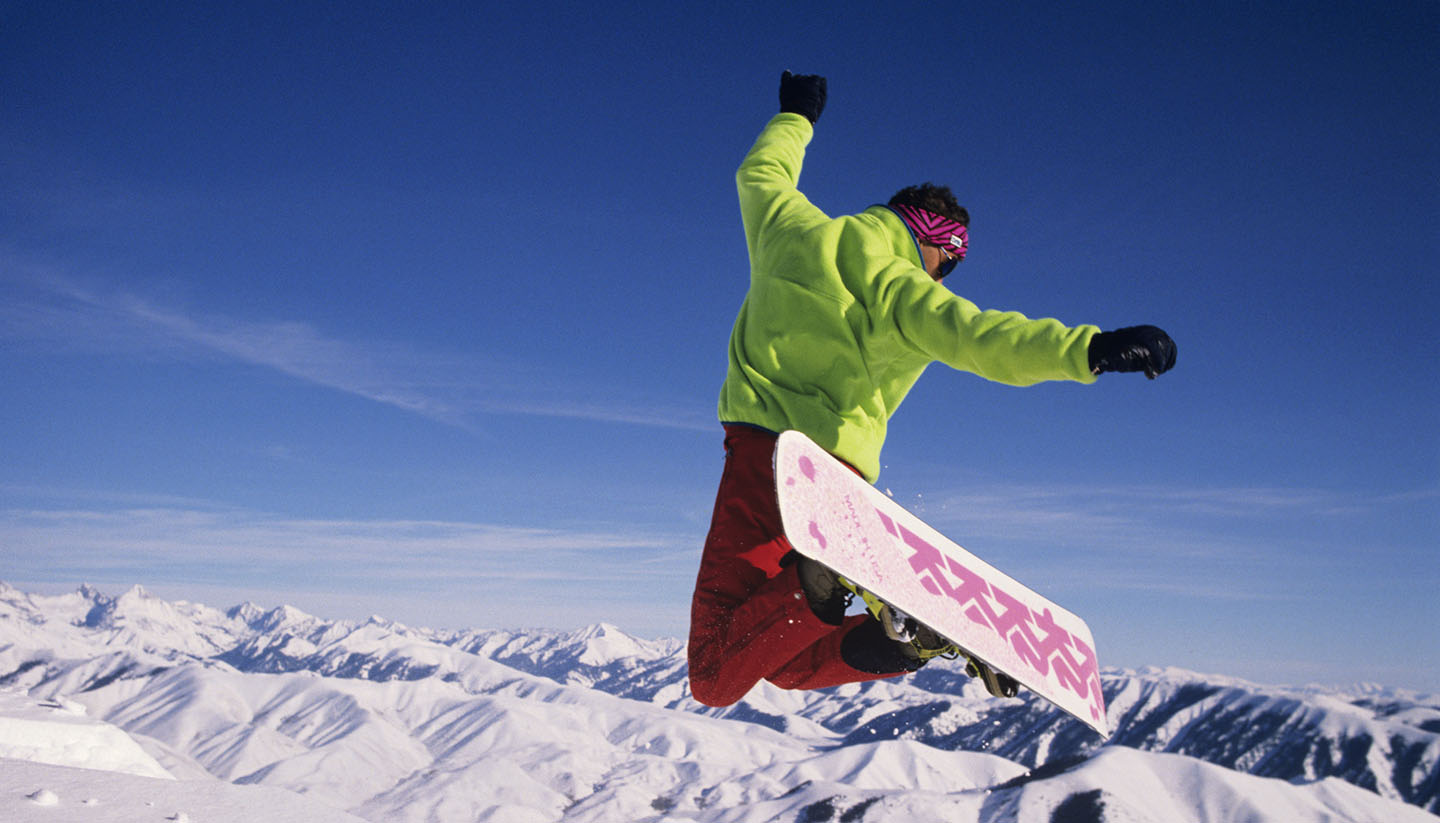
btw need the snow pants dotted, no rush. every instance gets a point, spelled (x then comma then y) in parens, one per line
(749, 617)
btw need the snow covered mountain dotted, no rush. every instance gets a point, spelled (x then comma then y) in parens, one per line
(385, 722)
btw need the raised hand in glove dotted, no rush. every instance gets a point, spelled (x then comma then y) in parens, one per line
(802, 94)
(1134, 348)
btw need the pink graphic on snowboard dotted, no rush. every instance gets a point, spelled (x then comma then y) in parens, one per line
(834, 512)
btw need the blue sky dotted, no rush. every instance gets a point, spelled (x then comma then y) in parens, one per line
(421, 309)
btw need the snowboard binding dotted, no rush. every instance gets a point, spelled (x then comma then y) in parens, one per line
(929, 644)
(830, 594)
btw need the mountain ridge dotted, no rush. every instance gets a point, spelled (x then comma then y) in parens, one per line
(292, 704)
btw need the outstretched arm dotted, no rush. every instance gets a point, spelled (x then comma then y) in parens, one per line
(768, 178)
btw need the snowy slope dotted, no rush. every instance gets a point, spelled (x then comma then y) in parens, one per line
(58, 732)
(58, 764)
(1124, 785)
(42, 793)
(389, 722)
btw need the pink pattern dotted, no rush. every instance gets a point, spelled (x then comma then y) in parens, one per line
(1017, 630)
(936, 229)
(1038, 641)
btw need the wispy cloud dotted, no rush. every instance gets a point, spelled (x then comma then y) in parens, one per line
(1122, 512)
(1217, 544)
(203, 543)
(424, 572)
(454, 388)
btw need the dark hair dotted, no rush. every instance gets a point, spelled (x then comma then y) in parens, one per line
(932, 198)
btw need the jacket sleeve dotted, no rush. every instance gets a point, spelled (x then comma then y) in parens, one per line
(1006, 347)
(768, 177)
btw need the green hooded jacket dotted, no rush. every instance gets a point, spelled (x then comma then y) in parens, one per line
(841, 319)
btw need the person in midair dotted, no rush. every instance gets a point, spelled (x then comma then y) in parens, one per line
(841, 317)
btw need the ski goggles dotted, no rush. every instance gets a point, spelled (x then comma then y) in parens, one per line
(937, 230)
(951, 260)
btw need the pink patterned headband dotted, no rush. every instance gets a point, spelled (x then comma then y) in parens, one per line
(936, 230)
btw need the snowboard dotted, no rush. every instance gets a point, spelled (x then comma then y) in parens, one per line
(831, 515)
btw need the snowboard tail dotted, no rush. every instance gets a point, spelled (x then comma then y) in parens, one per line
(834, 517)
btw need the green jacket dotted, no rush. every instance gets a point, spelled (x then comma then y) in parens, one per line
(841, 320)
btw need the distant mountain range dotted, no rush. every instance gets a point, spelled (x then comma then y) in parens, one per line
(393, 723)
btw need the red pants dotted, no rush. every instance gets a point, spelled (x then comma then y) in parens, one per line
(749, 618)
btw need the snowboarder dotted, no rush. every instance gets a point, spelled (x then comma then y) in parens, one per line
(841, 317)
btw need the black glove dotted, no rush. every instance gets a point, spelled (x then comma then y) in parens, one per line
(1134, 348)
(802, 94)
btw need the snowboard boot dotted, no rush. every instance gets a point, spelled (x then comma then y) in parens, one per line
(828, 595)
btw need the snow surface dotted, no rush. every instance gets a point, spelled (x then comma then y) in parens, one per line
(41, 793)
(58, 764)
(58, 732)
(134, 708)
